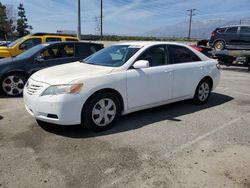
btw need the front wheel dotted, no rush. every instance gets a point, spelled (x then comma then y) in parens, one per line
(101, 111)
(13, 84)
(202, 92)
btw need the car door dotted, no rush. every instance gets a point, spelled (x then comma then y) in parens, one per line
(150, 85)
(232, 36)
(245, 34)
(54, 55)
(187, 68)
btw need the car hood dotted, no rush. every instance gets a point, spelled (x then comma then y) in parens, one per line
(4, 51)
(3, 48)
(67, 73)
(6, 61)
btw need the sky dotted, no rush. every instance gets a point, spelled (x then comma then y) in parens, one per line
(126, 17)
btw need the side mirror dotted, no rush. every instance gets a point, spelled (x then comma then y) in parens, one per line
(141, 64)
(39, 58)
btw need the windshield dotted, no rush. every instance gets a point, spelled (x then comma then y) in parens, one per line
(31, 51)
(113, 56)
(15, 42)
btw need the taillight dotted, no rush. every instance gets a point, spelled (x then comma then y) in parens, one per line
(197, 48)
(213, 34)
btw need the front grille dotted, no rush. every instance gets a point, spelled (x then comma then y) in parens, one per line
(32, 89)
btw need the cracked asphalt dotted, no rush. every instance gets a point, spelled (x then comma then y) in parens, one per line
(176, 145)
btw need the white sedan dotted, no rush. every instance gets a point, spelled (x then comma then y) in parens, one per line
(118, 80)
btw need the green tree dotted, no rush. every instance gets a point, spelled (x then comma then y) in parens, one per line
(22, 22)
(3, 21)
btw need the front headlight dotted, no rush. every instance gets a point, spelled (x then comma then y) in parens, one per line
(63, 89)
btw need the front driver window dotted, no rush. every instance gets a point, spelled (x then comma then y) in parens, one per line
(156, 56)
(30, 43)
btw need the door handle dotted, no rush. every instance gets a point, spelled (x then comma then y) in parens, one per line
(201, 67)
(168, 70)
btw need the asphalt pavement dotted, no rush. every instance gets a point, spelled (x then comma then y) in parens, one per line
(176, 145)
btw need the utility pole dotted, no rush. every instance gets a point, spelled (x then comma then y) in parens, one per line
(79, 19)
(190, 21)
(101, 20)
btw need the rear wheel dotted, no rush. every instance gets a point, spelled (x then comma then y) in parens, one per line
(219, 45)
(202, 92)
(101, 111)
(13, 84)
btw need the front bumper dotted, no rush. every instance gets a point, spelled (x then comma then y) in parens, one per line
(57, 109)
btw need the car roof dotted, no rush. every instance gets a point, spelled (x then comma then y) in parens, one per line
(148, 43)
(68, 42)
(234, 26)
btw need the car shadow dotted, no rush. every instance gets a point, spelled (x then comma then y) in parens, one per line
(2, 96)
(236, 69)
(140, 119)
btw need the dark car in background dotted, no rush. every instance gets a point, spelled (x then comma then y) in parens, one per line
(14, 72)
(231, 37)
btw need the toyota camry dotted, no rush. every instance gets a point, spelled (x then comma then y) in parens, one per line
(118, 80)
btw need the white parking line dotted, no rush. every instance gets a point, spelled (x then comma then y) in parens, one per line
(192, 142)
(232, 91)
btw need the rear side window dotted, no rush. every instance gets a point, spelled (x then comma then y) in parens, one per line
(180, 54)
(53, 39)
(232, 30)
(245, 30)
(69, 39)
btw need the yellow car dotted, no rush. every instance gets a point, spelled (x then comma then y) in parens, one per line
(20, 45)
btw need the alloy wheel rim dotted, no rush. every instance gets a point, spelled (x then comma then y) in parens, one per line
(104, 112)
(13, 85)
(203, 91)
(219, 46)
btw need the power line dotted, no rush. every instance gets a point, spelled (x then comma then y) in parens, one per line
(190, 21)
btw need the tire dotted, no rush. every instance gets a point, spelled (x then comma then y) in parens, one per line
(202, 92)
(101, 112)
(219, 45)
(13, 84)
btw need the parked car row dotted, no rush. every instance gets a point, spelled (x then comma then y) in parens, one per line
(20, 45)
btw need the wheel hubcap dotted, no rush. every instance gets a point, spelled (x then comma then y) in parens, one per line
(13, 85)
(219, 45)
(203, 91)
(104, 112)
